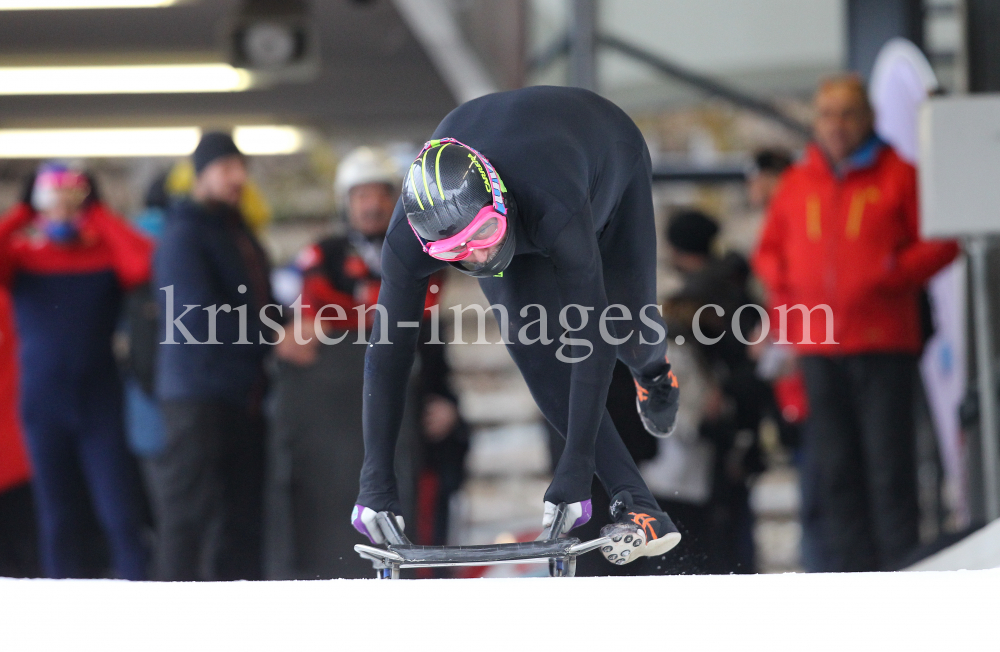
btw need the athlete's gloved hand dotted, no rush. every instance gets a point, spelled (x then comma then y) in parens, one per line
(576, 515)
(363, 520)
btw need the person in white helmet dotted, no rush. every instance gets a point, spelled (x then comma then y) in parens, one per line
(322, 395)
(345, 269)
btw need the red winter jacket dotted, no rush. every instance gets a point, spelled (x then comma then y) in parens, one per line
(334, 273)
(850, 242)
(106, 242)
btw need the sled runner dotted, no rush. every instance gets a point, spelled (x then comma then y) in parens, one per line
(559, 553)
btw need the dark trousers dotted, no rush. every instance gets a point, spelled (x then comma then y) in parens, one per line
(76, 461)
(18, 540)
(811, 509)
(627, 247)
(862, 448)
(317, 448)
(209, 492)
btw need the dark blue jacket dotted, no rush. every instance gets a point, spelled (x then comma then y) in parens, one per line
(205, 257)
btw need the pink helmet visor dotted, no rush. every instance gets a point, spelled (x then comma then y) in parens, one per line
(487, 229)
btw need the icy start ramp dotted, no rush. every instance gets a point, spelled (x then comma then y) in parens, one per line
(902, 611)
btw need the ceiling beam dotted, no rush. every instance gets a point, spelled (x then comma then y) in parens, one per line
(435, 27)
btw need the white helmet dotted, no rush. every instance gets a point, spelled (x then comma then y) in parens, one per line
(365, 165)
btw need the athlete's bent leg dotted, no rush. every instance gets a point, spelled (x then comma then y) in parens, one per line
(550, 380)
(628, 257)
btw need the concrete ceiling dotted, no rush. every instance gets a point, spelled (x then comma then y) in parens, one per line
(373, 75)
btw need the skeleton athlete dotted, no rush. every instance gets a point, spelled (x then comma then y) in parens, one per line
(544, 195)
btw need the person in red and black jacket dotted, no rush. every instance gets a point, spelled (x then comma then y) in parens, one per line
(842, 239)
(67, 260)
(345, 270)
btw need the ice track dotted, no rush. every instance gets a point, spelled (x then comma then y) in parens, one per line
(937, 611)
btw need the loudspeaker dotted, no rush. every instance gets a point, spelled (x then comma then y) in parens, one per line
(273, 39)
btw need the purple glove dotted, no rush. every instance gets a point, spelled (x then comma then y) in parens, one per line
(363, 520)
(576, 515)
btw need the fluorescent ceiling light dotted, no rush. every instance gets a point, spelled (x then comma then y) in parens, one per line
(31, 5)
(268, 140)
(139, 142)
(87, 80)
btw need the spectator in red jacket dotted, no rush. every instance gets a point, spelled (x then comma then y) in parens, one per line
(67, 260)
(841, 239)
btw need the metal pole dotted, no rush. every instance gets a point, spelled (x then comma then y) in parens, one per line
(743, 100)
(583, 45)
(978, 247)
(726, 92)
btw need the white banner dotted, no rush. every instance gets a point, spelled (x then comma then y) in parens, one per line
(901, 81)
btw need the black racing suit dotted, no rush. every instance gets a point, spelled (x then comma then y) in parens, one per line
(577, 172)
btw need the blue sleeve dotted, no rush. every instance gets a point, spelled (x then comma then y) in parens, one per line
(181, 266)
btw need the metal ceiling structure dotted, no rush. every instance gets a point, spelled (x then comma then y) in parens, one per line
(373, 75)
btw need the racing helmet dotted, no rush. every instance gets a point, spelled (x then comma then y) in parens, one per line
(445, 189)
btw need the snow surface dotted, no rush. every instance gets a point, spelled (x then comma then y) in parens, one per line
(979, 550)
(937, 611)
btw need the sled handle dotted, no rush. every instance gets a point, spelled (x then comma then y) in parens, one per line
(390, 529)
(556, 528)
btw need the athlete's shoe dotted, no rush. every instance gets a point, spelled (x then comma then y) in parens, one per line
(637, 531)
(657, 400)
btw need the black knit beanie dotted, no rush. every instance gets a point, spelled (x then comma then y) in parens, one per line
(213, 145)
(692, 231)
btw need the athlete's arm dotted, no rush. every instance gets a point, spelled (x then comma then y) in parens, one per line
(405, 271)
(579, 275)
(917, 260)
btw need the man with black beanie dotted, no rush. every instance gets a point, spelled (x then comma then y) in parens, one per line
(210, 377)
(691, 234)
